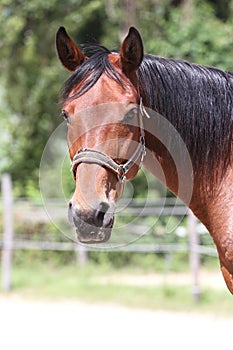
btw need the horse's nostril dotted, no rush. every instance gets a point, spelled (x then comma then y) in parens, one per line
(70, 205)
(100, 213)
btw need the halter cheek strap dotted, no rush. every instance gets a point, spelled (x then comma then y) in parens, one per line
(92, 156)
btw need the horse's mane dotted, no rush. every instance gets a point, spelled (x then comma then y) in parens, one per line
(197, 101)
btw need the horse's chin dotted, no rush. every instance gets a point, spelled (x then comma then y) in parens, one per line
(97, 235)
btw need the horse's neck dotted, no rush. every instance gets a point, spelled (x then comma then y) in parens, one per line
(173, 167)
(210, 199)
(214, 205)
(194, 189)
(180, 181)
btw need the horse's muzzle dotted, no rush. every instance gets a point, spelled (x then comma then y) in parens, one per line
(92, 226)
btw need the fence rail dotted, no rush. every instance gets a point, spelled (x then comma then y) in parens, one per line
(137, 248)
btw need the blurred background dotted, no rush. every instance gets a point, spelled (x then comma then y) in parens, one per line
(168, 260)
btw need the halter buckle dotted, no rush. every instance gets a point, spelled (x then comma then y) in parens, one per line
(121, 174)
(143, 144)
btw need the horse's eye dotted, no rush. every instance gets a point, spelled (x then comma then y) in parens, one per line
(131, 114)
(65, 115)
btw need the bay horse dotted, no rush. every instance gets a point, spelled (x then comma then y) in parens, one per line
(123, 108)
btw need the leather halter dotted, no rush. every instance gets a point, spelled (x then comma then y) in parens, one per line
(92, 156)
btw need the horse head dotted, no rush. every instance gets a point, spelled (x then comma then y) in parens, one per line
(105, 132)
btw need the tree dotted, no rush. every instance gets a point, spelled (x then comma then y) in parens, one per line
(32, 76)
(204, 39)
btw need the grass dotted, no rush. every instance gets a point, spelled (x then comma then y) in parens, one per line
(90, 284)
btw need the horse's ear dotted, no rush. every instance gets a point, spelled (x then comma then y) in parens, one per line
(70, 55)
(131, 51)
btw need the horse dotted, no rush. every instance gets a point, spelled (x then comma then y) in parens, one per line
(124, 108)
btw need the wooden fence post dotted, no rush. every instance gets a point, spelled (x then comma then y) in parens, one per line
(194, 255)
(7, 198)
(82, 255)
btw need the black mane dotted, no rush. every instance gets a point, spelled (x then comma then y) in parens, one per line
(197, 100)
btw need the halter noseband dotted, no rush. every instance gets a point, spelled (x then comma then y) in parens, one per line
(92, 156)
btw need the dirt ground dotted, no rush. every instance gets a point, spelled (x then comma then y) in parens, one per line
(209, 279)
(27, 324)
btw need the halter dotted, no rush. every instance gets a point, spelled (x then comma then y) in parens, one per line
(92, 156)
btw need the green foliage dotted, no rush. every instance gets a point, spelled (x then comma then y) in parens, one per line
(203, 39)
(33, 77)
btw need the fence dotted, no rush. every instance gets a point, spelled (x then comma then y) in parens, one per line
(10, 243)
